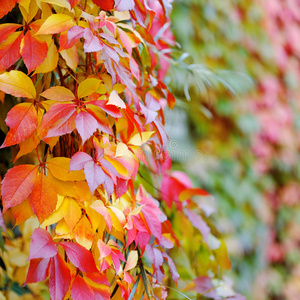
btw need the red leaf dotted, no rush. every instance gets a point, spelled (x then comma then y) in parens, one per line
(188, 193)
(17, 185)
(10, 50)
(33, 51)
(80, 289)
(6, 7)
(59, 120)
(22, 120)
(105, 4)
(60, 278)
(6, 29)
(38, 270)
(42, 245)
(73, 3)
(79, 256)
(43, 198)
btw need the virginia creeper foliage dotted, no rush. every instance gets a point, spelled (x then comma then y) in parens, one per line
(86, 95)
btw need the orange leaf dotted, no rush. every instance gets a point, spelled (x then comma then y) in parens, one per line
(43, 198)
(33, 51)
(10, 50)
(58, 93)
(22, 212)
(22, 120)
(105, 4)
(83, 233)
(6, 7)
(17, 185)
(188, 193)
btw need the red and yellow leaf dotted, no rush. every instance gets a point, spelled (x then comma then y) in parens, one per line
(22, 120)
(43, 198)
(10, 50)
(33, 51)
(58, 93)
(17, 185)
(83, 233)
(56, 23)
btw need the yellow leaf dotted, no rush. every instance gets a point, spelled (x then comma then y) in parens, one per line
(61, 3)
(62, 229)
(122, 150)
(87, 87)
(101, 89)
(119, 88)
(28, 9)
(58, 93)
(71, 212)
(71, 57)
(60, 166)
(83, 191)
(138, 140)
(116, 223)
(17, 84)
(83, 233)
(50, 62)
(222, 256)
(65, 188)
(56, 23)
(131, 260)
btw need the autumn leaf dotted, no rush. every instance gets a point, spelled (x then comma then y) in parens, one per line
(105, 4)
(33, 51)
(17, 185)
(42, 245)
(7, 29)
(10, 50)
(6, 7)
(58, 93)
(56, 23)
(22, 120)
(80, 289)
(60, 166)
(86, 125)
(17, 84)
(38, 270)
(87, 87)
(83, 233)
(43, 198)
(73, 3)
(114, 99)
(60, 278)
(79, 256)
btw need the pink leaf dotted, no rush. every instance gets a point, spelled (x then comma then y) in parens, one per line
(172, 267)
(86, 125)
(94, 175)
(42, 245)
(79, 160)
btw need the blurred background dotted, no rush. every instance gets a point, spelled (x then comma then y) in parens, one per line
(236, 130)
